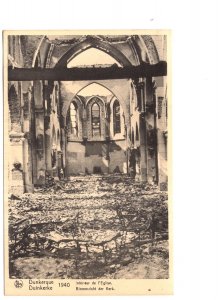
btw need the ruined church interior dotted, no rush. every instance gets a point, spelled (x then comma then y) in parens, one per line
(86, 105)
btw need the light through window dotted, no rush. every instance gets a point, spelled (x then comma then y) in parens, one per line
(96, 120)
(116, 117)
(74, 119)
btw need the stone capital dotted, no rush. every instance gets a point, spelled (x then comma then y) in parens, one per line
(16, 137)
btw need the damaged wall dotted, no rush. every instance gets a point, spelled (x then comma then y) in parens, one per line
(96, 157)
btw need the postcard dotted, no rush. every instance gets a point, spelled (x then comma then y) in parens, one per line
(87, 162)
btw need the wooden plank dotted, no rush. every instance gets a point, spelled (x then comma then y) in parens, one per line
(95, 73)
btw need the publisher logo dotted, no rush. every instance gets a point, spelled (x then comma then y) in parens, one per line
(18, 283)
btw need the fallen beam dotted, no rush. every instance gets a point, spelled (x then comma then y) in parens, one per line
(95, 73)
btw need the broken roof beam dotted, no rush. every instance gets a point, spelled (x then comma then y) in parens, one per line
(78, 74)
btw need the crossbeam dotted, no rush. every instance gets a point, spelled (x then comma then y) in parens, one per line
(93, 73)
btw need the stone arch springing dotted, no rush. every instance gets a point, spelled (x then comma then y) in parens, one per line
(151, 49)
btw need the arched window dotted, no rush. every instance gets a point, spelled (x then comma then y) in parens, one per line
(116, 117)
(96, 130)
(74, 119)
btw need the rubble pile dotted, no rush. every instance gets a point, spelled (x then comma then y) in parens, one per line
(91, 219)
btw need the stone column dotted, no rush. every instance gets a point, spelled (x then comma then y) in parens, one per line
(47, 126)
(48, 145)
(16, 155)
(161, 118)
(39, 130)
(27, 129)
(106, 157)
(151, 134)
(64, 148)
(142, 130)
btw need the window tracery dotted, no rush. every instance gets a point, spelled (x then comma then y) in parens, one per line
(74, 119)
(96, 120)
(116, 117)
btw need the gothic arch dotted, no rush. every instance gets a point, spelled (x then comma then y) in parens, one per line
(98, 97)
(89, 107)
(86, 84)
(113, 133)
(76, 87)
(93, 42)
(151, 48)
(79, 105)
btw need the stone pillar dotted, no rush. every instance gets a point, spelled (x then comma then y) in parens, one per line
(161, 119)
(155, 134)
(39, 131)
(28, 142)
(59, 163)
(142, 130)
(106, 156)
(48, 145)
(142, 147)
(64, 148)
(16, 155)
(48, 88)
(151, 134)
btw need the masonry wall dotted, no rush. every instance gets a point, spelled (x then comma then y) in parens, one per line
(94, 157)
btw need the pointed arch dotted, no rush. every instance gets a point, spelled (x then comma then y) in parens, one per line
(117, 119)
(74, 89)
(96, 87)
(96, 119)
(74, 118)
(92, 57)
(95, 110)
(93, 42)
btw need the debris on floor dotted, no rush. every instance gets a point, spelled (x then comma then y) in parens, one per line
(101, 225)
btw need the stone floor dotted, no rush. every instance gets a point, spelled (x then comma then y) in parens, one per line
(90, 227)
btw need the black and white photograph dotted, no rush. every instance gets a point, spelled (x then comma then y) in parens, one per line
(87, 154)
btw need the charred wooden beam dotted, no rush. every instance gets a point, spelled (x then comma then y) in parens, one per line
(95, 73)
